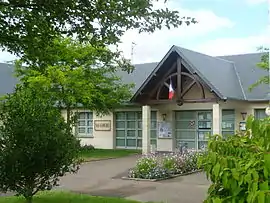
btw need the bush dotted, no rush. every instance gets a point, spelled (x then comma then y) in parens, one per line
(239, 166)
(173, 163)
(147, 168)
(37, 146)
(87, 148)
(164, 165)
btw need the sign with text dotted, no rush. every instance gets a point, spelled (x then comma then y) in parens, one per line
(164, 130)
(102, 125)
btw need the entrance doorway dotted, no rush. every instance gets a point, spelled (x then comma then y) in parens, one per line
(192, 128)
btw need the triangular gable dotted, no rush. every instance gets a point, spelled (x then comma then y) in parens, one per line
(221, 75)
(202, 63)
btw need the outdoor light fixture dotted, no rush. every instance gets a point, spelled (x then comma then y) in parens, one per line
(244, 115)
(267, 111)
(164, 116)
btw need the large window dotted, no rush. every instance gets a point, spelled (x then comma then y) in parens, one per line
(128, 125)
(85, 124)
(260, 114)
(192, 128)
(228, 122)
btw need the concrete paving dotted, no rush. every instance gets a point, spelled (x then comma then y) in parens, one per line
(103, 178)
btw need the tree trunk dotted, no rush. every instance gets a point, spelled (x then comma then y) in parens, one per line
(68, 116)
(29, 199)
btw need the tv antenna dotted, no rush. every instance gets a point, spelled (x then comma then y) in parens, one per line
(133, 44)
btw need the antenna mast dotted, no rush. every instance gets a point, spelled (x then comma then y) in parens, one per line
(132, 51)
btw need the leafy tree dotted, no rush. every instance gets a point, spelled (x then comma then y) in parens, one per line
(74, 73)
(264, 65)
(239, 166)
(29, 25)
(36, 145)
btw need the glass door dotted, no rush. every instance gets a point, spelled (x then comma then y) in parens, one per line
(204, 128)
(185, 129)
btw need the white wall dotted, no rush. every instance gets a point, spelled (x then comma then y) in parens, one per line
(106, 139)
(100, 139)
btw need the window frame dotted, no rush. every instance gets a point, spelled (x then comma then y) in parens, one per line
(256, 113)
(224, 130)
(85, 119)
(138, 128)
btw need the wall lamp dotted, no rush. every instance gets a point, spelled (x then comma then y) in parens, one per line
(267, 110)
(164, 116)
(244, 115)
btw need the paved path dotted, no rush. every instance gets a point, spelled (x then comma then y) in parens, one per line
(102, 178)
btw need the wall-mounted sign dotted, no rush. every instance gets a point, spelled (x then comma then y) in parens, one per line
(102, 125)
(164, 130)
(242, 126)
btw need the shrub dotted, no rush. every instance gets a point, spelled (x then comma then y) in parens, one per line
(190, 160)
(164, 165)
(87, 148)
(147, 167)
(239, 166)
(173, 163)
(37, 146)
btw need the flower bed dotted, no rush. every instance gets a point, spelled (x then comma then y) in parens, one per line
(162, 166)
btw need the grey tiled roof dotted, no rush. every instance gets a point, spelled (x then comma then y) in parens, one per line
(139, 75)
(218, 73)
(7, 79)
(229, 76)
(249, 73)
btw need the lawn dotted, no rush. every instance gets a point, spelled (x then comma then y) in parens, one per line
(65, 197)
(97, 154)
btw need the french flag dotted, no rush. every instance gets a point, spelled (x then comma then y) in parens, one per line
(171, 91)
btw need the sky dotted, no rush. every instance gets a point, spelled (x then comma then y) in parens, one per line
(224, 27)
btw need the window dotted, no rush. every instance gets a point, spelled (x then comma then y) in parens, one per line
(228, 122)
(128, 129)
(85, 124)
(204, 128)
(153, 138)
(260, 114)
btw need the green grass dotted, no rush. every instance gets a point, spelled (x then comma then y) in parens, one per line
(65, 197)
(97, 154)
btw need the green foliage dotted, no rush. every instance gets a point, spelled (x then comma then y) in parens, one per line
(264, 65)
(73, 73)
(29, 25)
(36, 145)
(239, 166)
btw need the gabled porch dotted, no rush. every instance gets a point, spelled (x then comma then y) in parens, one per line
(193, 112)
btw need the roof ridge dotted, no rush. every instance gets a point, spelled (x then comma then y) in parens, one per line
(223, 59)
(144, 63)
(214, 57)
(239, 80)
(242, 54)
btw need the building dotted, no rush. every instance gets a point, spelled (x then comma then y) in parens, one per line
(211, 95)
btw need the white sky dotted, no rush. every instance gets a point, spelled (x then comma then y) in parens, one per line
(152, 47)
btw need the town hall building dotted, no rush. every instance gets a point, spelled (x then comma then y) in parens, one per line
(176, 102)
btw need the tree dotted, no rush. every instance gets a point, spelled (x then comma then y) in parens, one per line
(36, 145)
(239, 165)
(73, 73)
(264, 65)
(29, 25)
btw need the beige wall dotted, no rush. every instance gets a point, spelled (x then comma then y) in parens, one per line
(195, 93)
(238, 106)
(106, 139)
(100, 139)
